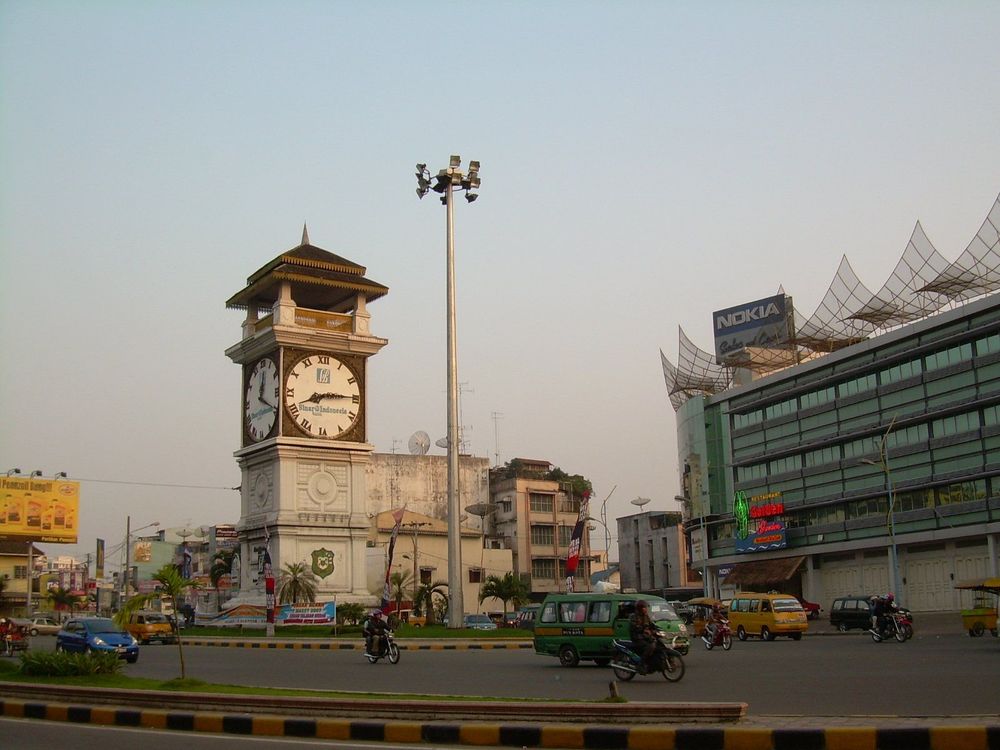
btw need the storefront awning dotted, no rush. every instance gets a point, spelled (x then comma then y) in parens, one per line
(763, 573)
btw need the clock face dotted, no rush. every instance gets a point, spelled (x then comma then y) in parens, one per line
(322, 395)
(260, 406)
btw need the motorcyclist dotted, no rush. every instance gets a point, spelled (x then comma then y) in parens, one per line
(374, 627)
(882, 607)
(642, 631)
(715, 619)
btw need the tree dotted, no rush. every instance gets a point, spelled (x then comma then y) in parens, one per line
(222, 566)
(296, 583)
(172, 586)
(424, 600)
(399, 582)
(508, 588)
(63, 599)
(353, 612)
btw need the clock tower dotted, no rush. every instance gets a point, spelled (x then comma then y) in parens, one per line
(303, 433)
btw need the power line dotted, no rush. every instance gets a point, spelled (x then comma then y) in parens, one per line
(159, 484)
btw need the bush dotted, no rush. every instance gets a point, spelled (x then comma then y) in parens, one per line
(63, 664)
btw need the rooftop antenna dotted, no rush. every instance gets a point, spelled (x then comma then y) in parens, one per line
(497, 416)
(641, 501)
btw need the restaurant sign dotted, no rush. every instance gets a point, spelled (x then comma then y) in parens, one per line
(759, 524)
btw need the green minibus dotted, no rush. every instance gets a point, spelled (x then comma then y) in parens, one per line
(582, 626)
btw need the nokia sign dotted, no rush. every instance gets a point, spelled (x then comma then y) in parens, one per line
(764, 324)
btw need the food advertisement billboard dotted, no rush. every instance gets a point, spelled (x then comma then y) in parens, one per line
(41, 510)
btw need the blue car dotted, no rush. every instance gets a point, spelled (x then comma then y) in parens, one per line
(97, 634)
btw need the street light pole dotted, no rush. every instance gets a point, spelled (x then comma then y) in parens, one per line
(446, 181)
(890, 516)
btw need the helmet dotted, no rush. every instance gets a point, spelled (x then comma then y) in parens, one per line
(641, 605)
(889, 597)
(377, 614)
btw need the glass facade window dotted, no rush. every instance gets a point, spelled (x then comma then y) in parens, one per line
(956, 424)
(952, 356)
(858, 385)
(914, 500)
(907, 436)
(962, 492)
(988, 345)
(542, 535)
(747, 420)
(902, 371)
(991, 415)
(749, 473)
(873, 506)
(540, 503)
(781, 409)
(858, 448)
(823, 456)
(788, 463)
(818, 398)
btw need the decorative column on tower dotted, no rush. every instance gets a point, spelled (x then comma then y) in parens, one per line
(303, 451)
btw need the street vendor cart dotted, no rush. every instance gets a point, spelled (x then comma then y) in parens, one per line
(982, 616)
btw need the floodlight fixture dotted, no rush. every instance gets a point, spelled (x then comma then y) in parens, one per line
(473, 168)
(60, 475)
(13, 471)
(455, 161)
(470, 197)
(36, 473)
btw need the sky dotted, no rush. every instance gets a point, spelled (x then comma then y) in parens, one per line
(643, 164)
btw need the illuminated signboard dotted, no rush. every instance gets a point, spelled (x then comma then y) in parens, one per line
(763, 324)
(42, 510)
(759, 525)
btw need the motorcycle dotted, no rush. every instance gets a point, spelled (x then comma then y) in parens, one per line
(386, 648)
(906, 622)
(666, 659)
(891, 626)
(723, 636)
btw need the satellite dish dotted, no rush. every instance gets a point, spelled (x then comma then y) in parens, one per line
(640, 501)
(478, 509)
(420, 441)
(441, 442)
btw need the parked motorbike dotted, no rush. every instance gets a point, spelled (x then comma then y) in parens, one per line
(667, 660)
(723, 636)
(890, 626)
(385, 648)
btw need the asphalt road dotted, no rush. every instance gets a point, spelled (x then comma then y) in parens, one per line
(819, 676)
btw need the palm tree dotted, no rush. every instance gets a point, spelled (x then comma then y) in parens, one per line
(296, 583)
(399, 582)
(425, 598)
(352, 612)
(222, 566)
(63, 599)
(173, 586)
(508, 588)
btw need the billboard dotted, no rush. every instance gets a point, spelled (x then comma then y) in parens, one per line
(764, 324)
(759, 523)
(42, 510)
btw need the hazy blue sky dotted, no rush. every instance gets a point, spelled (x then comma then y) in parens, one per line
(643, 164)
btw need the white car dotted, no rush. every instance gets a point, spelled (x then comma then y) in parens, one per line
(43, 626)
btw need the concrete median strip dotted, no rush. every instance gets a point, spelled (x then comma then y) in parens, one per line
(519, 733)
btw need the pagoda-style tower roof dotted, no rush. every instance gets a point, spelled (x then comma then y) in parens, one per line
(320, 280)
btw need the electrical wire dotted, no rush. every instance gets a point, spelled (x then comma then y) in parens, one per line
(160, 484)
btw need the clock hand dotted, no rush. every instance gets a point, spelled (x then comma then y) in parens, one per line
(317, 397)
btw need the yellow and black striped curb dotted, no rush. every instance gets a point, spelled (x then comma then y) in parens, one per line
(336, 646)
(513, 735)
